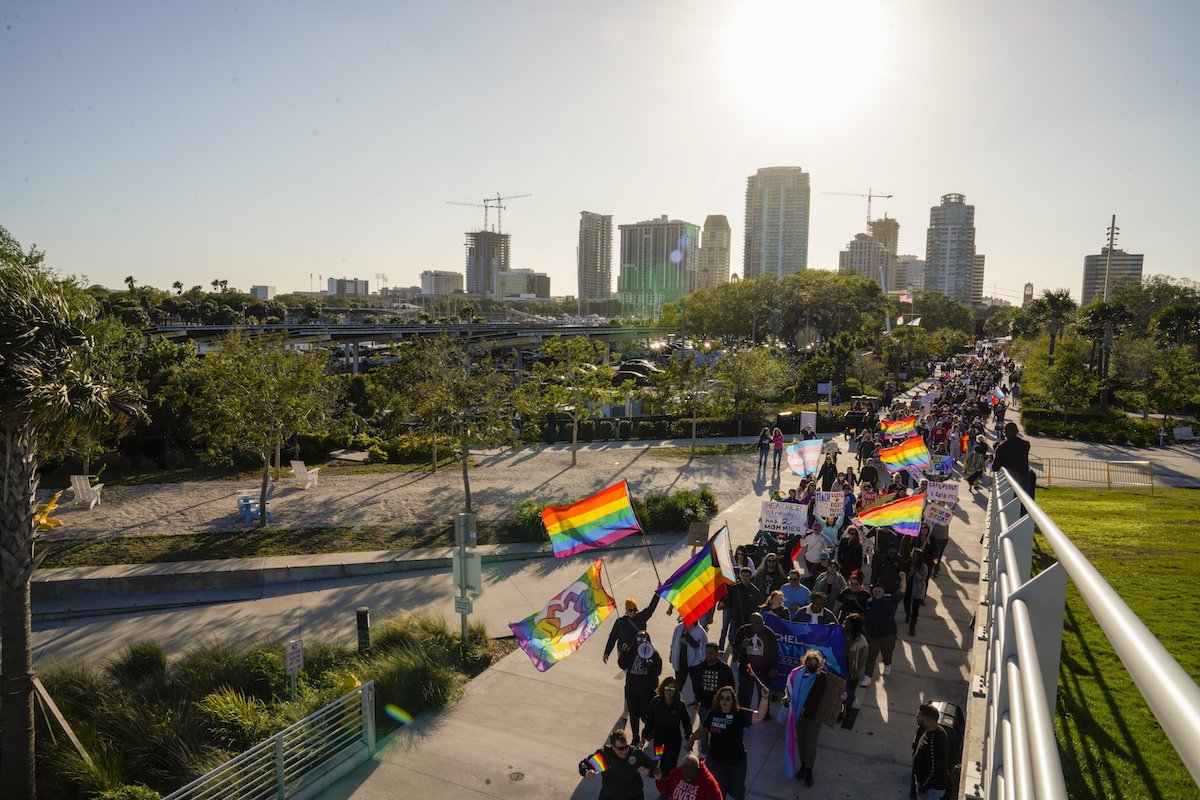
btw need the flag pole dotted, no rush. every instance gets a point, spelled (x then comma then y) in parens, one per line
(645, 537)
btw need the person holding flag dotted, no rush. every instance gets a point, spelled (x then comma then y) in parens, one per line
(625, 630)
(620, 767)
(665, 719)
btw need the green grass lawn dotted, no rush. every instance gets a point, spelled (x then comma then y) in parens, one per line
(1148, 548)
(703, 450)
(252, 543)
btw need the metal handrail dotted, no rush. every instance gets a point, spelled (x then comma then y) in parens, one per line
(294, 761)
(1168, 690)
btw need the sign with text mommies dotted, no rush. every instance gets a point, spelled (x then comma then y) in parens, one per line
(829, 504)
(786, 518)
(797, 638)
(945, 493)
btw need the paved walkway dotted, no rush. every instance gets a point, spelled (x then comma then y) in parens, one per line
(519, 733)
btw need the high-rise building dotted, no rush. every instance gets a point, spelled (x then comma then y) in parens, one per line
(488, 252)
(777, 200)
(521, 284)
(868, 258)
(950, 264)
(977, 278)
(713, 257)
(909, 273)
(440, 282)
(655, 257)
(594, 257)
(1027, 296)
(1124, 267)
(886, 231)
(348, 286)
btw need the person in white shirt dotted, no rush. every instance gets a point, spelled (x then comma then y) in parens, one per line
(687, 652)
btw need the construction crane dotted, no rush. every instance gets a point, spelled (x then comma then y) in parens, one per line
(488, 203)
(870, 195)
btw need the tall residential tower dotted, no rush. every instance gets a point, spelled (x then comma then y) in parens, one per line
(1125, 267)
(713, 257)
(777, 201)
(594, 259)
(951, 262)
(655, 257)
(488, 252)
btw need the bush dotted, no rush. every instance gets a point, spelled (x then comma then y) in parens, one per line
(235, 720)
(413, 448)
(1106, 428)
(673, 513)
(523, 525)
(376, 455)
(129, 792)
(414, 680)
(209, 666)
(138, 664)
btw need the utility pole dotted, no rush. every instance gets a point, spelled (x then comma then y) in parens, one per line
(1112, 238)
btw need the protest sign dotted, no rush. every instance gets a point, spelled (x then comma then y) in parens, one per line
(797, 638)
(869, 499)
(937, 515)
(829, 504)
(786, 518)
(946, 493)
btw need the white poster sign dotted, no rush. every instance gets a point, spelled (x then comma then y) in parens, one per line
(786, 518)
(945, 493)
(829, 504)
(937, 515)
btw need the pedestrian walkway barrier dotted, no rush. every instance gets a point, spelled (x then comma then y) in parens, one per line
(299, 761)
(1080, 470)
(1019, 628)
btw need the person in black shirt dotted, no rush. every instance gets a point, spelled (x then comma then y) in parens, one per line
(709, 676)
(931, 756)
(668, 722)
(725, 723)
(642, 665)
(624, 770)
(625, 629)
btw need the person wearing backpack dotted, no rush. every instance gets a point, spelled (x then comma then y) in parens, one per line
(931, 756)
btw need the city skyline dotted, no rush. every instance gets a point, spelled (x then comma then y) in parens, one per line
(263, 143)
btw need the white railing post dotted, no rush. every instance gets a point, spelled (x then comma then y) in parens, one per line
(367, 710)
(1045, 595)
(280, 765)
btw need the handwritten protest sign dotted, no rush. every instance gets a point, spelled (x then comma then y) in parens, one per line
(869, 499)
(786, 518)
(945, 493)
(937, 515)
(830, 504)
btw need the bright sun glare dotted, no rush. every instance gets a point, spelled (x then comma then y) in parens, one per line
(804, 61)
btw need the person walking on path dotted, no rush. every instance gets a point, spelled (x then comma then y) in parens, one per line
(668, 723)
(710, 675)
(931, 756)
(856, 656)
(687, 652)
(806, 688)
(642, 665)
(764, 449)
(795, 593)
(880, 624)
(726, 723)
(816, 613)
(1013, 454)
(742, 599)
(777, 444)
(625, 630)
(914, 594)
(624, 768)
(757, 649)
(827, 474)
(691, 780)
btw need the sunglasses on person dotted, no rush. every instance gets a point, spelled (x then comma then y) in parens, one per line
(620, 748)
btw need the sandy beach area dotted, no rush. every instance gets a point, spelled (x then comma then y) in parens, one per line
(499, 481)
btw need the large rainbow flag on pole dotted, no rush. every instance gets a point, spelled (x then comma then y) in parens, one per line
(902, 516)
(898, 428)
(804, 457)
(699, 584)
(571, 616)
(909, 454)
(597, 521)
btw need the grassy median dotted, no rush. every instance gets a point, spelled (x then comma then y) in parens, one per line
(1147, 546)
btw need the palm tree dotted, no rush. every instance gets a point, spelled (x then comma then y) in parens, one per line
(178, 287)
(47, 390)
(1054, 309)
(130, 282)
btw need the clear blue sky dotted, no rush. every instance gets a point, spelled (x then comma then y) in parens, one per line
(262, 142)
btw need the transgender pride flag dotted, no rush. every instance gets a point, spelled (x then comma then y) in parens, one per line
(804, 458)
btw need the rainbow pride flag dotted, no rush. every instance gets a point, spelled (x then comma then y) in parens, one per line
(898, 428)
(597, 521)
(659, 749)
(700, 584)
(804, 458)
(568, 619)
(903, 515)
(597, 762)
(909, 454)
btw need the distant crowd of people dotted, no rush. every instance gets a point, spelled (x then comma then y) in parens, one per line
(714, 683)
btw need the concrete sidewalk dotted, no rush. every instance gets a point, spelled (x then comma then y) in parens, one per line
(519, 733)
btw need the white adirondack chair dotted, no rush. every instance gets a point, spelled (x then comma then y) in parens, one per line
(84, 492)
(249, 506)
(302, 473)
